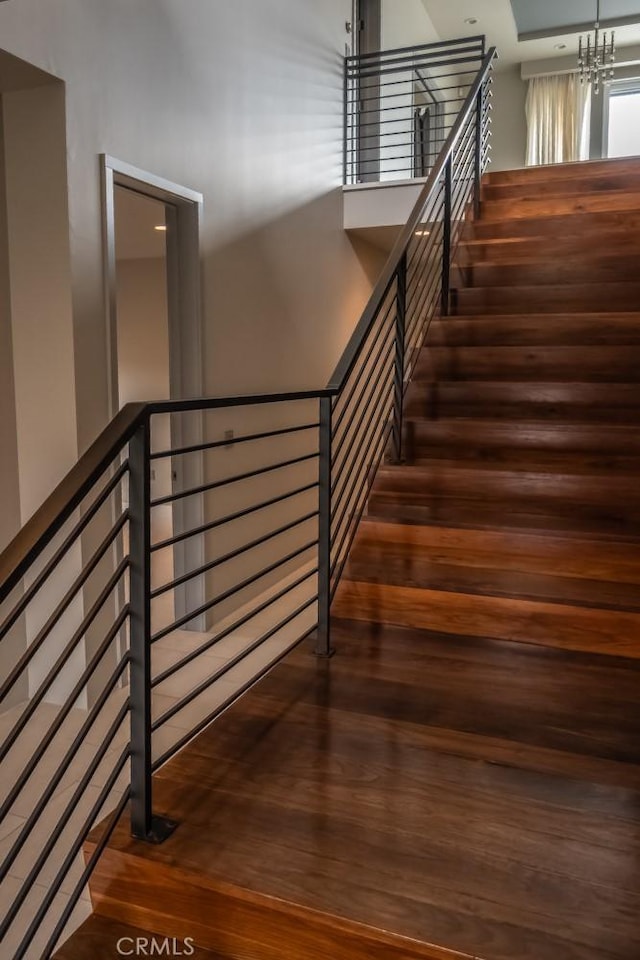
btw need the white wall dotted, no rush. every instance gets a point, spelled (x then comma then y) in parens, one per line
(406, 23)
(9, 486)
(508, 120)
(14, 644)
(40, 289)
(242, 102)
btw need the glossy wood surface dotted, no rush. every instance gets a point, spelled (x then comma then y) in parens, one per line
(546, 243)
(560, 204)
(537, 329)
(581, 182)
(551, 173)
(463, 779)
(468, 792)
(577, 225)
(100, 938)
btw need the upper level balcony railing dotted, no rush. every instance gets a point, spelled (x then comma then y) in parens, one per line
(400, 106)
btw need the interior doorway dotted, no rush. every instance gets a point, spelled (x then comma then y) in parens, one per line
(142, 348)
(368, 39)
(152, 274)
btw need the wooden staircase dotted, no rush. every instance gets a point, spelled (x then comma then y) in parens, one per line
(461, 781)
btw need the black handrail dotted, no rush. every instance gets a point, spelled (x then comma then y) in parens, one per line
(358, 416)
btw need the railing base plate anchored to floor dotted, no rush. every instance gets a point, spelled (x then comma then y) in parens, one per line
(324, 654)
(161, 830)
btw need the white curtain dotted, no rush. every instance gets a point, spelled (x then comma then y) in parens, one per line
(558, 109)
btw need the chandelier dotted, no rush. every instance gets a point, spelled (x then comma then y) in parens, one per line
(596, 55)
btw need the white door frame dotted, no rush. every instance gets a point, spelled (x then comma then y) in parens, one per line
(186, 374)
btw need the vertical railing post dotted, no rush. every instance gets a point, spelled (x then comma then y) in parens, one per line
(398, 386)
(446, 240)
(478, 156)
(323, 640)
(144, 825)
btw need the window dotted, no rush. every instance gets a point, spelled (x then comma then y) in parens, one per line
(623, 128)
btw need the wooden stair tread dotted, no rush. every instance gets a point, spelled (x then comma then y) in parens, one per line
(479, 481)
(575, 253)
(595, 559)
(384, 565)
(589, 182)
(548, 272)
(556, 298)
(286, 917)
(591, 447)
(596, 362)
(522, 620)
(577, 225)
(508, 399)
(522, 517)
(535, 329)
(527, 207)
(517, 244)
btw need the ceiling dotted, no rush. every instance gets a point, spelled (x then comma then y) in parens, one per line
(545, 17)
(555, 18)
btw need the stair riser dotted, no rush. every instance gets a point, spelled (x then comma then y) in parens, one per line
(550, 299)
(536, 491)
(539, 623)
(530, 331)
(624, 182)
(468, 550)
(477, 440)
(559, 206)
(533, 459)
(451, 405)
(564, 171)
(550, 247)
(234, 922)
(596, 364)
(503, 513)
(579, 226)
(621, 270)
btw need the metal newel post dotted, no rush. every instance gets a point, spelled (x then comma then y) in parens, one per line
(478, 157)
(446, 240)
(323, 641)
(144, 825)
(398, 387)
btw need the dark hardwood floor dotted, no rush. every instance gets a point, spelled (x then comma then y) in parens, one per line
(461, 791)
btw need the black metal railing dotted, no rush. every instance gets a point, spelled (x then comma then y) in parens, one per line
(190, 549)
(400, 106)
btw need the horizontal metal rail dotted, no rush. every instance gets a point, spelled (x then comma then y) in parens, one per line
(243, 585)
(232, 554)
(217, 444)
(238, 514)
(227, 481)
